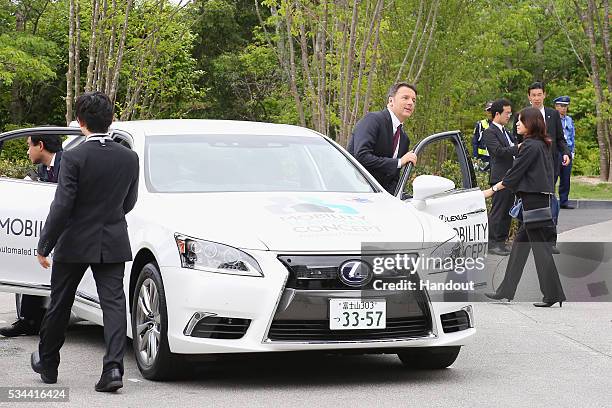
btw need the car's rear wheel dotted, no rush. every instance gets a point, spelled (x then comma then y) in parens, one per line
(429, 358)
(150, 327)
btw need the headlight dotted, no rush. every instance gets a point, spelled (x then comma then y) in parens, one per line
(213, 257)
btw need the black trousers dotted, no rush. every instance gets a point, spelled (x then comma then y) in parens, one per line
(499, 218)
(538, 237)
(65, 278)
(32, 309)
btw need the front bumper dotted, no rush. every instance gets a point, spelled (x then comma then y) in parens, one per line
(257, 300)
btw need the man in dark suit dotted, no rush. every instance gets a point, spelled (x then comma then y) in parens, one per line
(46, 152)
(502, 149)
(86, 225)
(554, 128)
(379, 143)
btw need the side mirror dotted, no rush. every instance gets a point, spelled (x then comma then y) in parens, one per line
(426, 186)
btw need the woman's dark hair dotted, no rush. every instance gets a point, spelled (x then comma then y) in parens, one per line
(533, 120)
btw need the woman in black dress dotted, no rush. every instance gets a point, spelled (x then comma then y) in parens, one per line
(531, 179)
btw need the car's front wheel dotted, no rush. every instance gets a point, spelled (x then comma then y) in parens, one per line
(150, 326)
(429, 358)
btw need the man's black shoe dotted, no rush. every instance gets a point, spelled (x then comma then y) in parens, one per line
(497, 250)
(49, 376)
(568, 207)
(555, 250)
(110, 381)
(20, 328)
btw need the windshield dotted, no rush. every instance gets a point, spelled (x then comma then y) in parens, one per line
(209, 163)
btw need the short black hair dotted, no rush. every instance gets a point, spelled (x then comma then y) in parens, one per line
(51, 143)
(95, 110)
(498, 106)
(395, 87)
(536, 85)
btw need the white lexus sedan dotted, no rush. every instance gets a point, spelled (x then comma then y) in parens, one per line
(248, 237)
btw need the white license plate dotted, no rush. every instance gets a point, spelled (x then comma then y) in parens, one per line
(355, 314)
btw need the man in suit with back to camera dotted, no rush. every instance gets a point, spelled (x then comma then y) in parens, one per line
(502, 148)
(86, 227)
(554, 129)
(46, 152)
(379, 143)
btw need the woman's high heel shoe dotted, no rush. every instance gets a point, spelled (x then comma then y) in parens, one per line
(547, 304)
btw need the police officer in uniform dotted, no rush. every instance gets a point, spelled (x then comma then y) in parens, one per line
(565, 172)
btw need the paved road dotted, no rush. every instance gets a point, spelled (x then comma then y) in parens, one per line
(520, 356)
(570, 219)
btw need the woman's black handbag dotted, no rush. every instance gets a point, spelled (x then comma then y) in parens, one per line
(537, 215)
(530, 216)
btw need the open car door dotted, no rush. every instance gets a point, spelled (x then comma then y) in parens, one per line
(23, 210)
(443, 184)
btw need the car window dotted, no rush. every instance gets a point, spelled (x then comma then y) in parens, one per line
(438, 158)
(207, 163)
(14, 160)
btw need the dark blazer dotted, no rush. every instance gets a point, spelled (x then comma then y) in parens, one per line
(43, 173)
(97, 186)
(554, 129)
(372, 145)
(501, 154)
(532, 171)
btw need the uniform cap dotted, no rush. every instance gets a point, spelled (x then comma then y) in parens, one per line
(562, 100)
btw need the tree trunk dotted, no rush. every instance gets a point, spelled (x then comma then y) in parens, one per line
(348, 75)
(372, 73)
(111, 49)
(117, 67)
(376, 16)
(292, 70)
(412, 39)
(70, 73)
(431, 33)
(77, 50)
(602, 138)
(92, 46)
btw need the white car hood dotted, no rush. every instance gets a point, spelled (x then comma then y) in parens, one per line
(322, 222)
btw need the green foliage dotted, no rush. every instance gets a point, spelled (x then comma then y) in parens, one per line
(213, 60)
(26, 58)
(15, 169)
(14, 150)
(586, 160)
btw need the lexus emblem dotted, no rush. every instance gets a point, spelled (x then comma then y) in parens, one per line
(355, 273)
